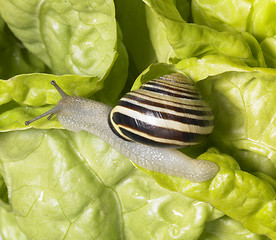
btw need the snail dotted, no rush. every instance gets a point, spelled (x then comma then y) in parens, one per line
(147, 125)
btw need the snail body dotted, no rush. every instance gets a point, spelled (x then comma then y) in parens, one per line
(78, 113)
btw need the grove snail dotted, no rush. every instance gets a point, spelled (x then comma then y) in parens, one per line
(146, 125)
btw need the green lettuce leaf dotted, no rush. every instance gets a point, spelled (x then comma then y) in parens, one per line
(15, 58)
(268, 46)
(153, 71)
(256, 17)
(117, 77)
(240, 195)
(164, 51)
(8, 227)
(242, 99)
(245, 124)
(210, 65)
(226, 228)
(63, 185)
(68, 36)
(111, 199)
(79, 188)
(192, 40)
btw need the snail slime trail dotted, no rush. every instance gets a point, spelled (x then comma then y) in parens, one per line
(147, 125)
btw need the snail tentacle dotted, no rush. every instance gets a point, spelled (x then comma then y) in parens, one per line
(51, 112)
(61, 92)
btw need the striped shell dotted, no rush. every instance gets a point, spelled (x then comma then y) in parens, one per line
(164, 112)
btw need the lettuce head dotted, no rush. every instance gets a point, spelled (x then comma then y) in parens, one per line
(56, 184)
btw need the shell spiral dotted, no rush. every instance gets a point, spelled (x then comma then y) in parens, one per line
(164, 112)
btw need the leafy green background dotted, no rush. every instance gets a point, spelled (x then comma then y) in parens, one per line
(55, 184)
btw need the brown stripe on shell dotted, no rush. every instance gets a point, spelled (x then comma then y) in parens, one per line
(167, 112)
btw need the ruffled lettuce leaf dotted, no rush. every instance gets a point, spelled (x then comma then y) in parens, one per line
(73, 38)
(163, 49)
(256, 17)
(158, 34)
(79, 188)
(240, 195)
(15, 58)
(65, 185)
(193, 40)
(110, 197)
(268, 47)
(199, 68)
(116, 79)
(242, 99)
(245, 124)
(70, 37)
(226, 228)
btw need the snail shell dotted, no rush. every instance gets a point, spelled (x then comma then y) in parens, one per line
(164, 112)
